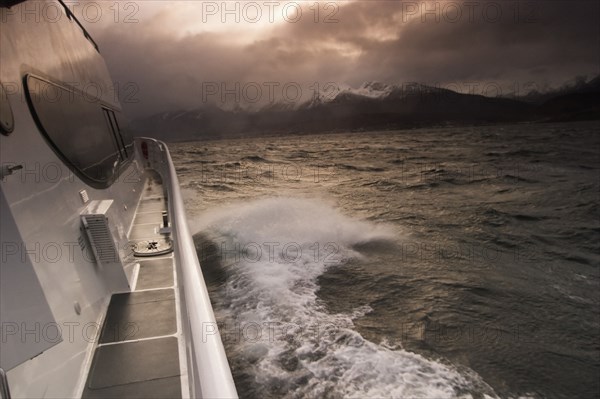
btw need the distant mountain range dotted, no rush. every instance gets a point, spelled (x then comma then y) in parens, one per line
(376, 106)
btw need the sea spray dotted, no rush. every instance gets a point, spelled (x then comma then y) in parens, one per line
(272, 252)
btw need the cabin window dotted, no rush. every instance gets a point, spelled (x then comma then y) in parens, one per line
(81, 130)
(117, 136)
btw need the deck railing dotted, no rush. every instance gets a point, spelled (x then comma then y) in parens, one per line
(4, 389)
(209, 374)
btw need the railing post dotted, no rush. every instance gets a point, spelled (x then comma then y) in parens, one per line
(4, 389)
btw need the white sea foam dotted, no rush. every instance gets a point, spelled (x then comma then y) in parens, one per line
(284, 338)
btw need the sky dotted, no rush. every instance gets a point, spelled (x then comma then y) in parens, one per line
(183, 55)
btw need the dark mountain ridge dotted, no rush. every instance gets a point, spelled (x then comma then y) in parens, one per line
(376, 106)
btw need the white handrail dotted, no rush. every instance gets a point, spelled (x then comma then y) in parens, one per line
(211, 372)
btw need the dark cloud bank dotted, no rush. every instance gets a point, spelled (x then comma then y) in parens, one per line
(510, 46)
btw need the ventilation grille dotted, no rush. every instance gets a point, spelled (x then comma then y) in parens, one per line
(98, 232)
(101, 240)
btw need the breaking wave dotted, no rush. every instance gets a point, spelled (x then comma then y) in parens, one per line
(280, 339)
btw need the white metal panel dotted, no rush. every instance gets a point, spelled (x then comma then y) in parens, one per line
(27, 325)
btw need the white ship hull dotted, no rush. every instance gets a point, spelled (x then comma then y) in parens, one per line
(56, 278)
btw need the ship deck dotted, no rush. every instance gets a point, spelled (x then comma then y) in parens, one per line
(140, 351)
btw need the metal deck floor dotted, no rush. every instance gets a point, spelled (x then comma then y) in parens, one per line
(138, 350)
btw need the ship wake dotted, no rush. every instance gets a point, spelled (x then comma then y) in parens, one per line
(280, 339)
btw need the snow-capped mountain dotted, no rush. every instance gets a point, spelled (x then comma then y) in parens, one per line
(373, 105)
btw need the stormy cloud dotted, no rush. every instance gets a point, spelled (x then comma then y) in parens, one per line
(183, 55)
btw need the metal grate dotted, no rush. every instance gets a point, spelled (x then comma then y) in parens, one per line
(97, 229)
(100, 237)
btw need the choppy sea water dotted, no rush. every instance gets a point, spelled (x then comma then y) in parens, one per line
(432, 263)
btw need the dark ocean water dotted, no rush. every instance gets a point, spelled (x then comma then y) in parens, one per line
(451, 262)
